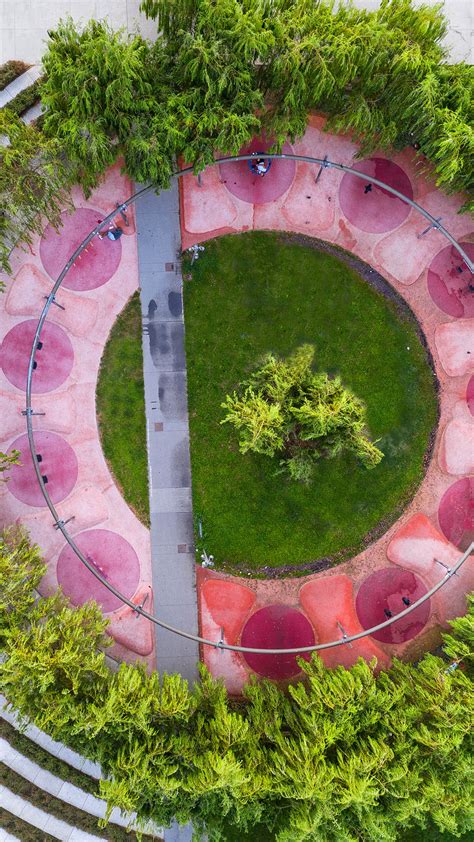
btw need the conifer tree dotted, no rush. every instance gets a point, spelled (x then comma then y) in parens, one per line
(285, 409)
(34, 181)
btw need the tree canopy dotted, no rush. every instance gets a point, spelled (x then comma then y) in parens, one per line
(286, 409)
(34, 177)
(343, 756)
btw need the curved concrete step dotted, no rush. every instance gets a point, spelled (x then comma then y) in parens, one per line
(19, 84)
(43, 821)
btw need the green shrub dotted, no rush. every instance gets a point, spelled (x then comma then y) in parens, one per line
(343, 755)
(286, 409)
(10, 71)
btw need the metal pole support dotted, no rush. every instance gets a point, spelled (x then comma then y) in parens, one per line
(322, 167)
(61, 523)
(52, 298)
(433, 225)
(29, 412)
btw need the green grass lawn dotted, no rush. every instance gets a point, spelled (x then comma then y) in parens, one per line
(121, 408)
(260, 292)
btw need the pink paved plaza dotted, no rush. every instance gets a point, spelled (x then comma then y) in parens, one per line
(395, 570)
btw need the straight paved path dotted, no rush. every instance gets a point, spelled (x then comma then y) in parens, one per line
(164, 361)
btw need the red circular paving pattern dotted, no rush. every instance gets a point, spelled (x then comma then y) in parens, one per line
(456, 513)
(451, 283)
(371, 208)
(255, 189)
(58, 464)
(93, 267)
(384, 591)
(115, 559)
(277, 627)
(54, 356)
(470, 395)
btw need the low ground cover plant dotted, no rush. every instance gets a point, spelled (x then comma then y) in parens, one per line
(344, 755)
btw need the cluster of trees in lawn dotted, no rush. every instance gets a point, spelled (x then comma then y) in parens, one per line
(344, 755)
(221, 71)
(285, 409)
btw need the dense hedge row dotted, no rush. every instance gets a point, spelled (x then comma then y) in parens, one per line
(344, 756)
(222, 71)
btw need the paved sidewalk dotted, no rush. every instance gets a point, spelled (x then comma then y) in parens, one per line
(164, 359)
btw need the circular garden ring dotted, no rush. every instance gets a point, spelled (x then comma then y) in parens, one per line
(434, 223)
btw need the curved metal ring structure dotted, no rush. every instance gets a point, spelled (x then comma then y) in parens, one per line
(29, 413)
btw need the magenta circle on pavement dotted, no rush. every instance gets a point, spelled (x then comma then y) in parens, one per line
(277, 627)
(451, 282)
(94, 266)
(372, 208)
(54, 356)
(386, 593)
(456, 513)
(255, 189)
(112, 556)
(470, 395)
(58, 465)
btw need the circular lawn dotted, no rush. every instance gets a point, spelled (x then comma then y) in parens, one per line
(255, 293)
(260, 292)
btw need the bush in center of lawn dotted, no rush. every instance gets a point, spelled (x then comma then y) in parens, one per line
(286, 409)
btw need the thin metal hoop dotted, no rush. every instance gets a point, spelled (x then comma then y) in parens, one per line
(60, 524)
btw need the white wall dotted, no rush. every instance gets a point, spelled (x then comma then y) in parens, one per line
(24, 23)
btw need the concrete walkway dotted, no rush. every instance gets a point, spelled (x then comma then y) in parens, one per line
(164, 360)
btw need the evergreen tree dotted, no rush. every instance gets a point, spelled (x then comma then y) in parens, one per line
(21, 570)
(33, 184)
(285, 409)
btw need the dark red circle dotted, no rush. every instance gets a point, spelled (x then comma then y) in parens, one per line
(57, 462)
(115, 559)
(94, 266)
(384, 589)
(252, 188)
(456, 513)
(54, 356)
(277, 627)
(449, 281)
(470, 395)
(376, 210)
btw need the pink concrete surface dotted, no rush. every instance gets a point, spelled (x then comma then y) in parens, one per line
(470, 395)
(456, 513)
(229, 605)
(276, 627)
(403, 257)
(119, 628)
(455, 346)
(113, 557)
(58, 464)
(256, 189)
(372, 208)
(384, 591)
(95, 266)
(451, 283)
(31, 286)
(327, 601)
(54, 359)
(456, 455)
(70, 411)
(420, 547)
